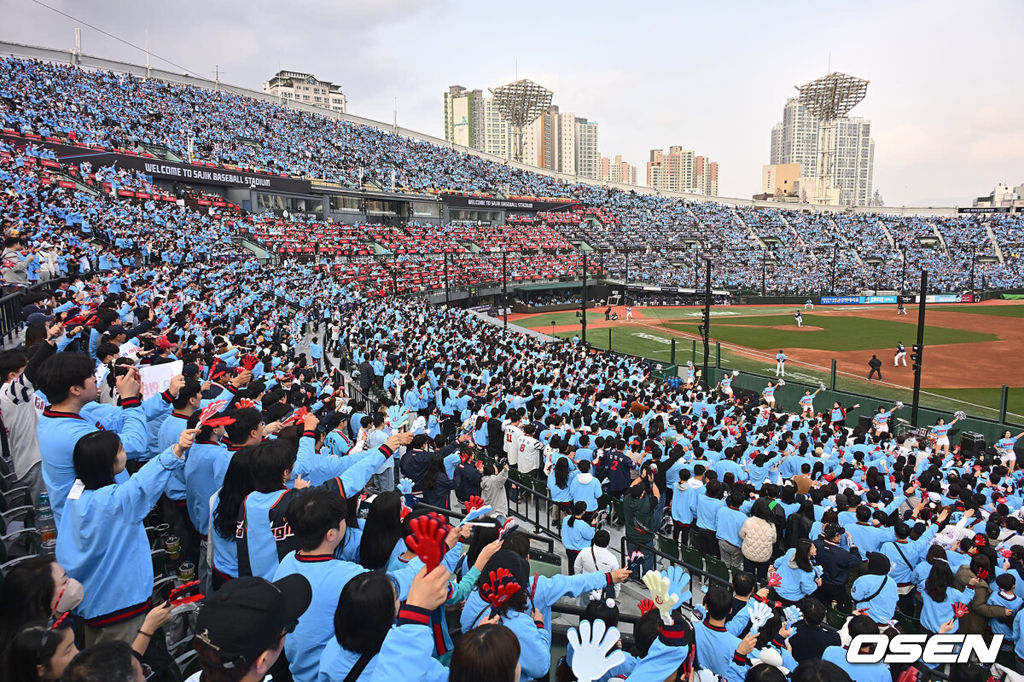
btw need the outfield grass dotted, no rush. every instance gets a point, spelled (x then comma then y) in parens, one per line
(837, 333)
(995, 310)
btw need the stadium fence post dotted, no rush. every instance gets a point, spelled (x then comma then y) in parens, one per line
(609, 338)
(1003, 400)
(672, 357)
(693, 353)
(718, 354)
(833, 374)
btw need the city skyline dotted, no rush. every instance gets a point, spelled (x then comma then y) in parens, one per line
(945, 121)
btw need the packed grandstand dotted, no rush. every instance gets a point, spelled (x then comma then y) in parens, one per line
(323, 423)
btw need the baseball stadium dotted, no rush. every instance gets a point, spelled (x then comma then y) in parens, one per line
(292, 392)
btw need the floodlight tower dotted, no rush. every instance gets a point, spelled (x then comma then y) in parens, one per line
(829, 98)
(520, 103)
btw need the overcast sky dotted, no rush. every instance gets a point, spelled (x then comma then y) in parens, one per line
(945, 98)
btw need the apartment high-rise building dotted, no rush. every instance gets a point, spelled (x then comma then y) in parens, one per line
(705, 176)
(587, 156)
(556, 141)
(795, 140)
(497, 134)
(306, 88)
(565, 159)
(464, 117)
(672, 171)
(617, 171)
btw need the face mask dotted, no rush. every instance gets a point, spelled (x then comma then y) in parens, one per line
(72, 596)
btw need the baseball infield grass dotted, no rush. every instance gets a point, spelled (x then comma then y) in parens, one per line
(836, 333)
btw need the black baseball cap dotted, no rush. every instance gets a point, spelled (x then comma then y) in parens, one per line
(247, 615)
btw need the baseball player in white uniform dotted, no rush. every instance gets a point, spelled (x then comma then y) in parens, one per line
(809, 304)
(629, 312)
(799, 318)
(901, 354)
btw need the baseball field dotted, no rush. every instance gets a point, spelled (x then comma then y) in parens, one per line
(971, 350)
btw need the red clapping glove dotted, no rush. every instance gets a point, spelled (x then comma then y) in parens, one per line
(774, 580)
(427, 539)
(645, 605)
(474, 502)
(250, 361)
(500, 588)
(959, 609)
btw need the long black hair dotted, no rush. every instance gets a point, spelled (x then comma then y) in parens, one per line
(562, 472)
(433, 472)
(940, 578)
(382, 531)
(238, 483)
(802, 555)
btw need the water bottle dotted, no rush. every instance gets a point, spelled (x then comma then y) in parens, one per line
(45, 524)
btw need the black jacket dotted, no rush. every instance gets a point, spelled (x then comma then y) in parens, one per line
(810, 641)
(467, 481)
(835, 562)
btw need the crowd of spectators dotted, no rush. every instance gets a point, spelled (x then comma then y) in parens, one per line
(290, 463)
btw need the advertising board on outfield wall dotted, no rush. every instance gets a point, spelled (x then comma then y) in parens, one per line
(871, 300)
(856, 300)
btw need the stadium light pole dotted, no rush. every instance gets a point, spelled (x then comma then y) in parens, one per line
(584, 305)
(974, 258)
(707, 318)
(918, 350)
(835, 257)
(764, 272)
(696, 268)
(504, 290)
(829, 98)
(447, 288)
(625, 283)
(903, 275)
(394, 272)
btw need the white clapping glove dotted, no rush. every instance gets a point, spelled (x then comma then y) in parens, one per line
(590, 650)
(658, 585)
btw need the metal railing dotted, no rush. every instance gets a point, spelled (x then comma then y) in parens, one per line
(12, 322)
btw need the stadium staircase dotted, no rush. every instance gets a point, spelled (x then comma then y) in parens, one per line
(838, 235)
(750, 229)
(888, 235)
(942, 240)
(995, 243)
(161, 152)
(796, 234)
(62, 175)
